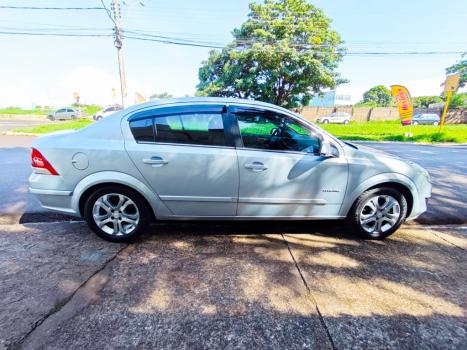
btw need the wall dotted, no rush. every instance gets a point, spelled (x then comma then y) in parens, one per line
(363, 114)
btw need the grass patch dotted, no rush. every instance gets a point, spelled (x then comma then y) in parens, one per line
(393, 131)
(17, 110)
(46, 128)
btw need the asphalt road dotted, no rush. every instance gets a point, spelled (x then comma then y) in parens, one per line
(11, 124)
(447, 165)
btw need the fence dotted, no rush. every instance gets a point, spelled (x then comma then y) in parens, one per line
(364, 114)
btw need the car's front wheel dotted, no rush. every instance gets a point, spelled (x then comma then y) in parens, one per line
(378, 213)
(116, 213)
(415, 123)
(435, 123)
(325, 121)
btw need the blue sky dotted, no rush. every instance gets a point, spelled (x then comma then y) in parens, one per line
(49, 69)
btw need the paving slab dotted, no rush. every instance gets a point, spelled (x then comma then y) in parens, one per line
(233, 286)
(179, 291)
(41, 267)
(407, 292)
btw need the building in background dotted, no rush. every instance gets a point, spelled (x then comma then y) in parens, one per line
(330, 99)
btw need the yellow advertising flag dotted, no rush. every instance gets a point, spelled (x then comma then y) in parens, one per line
(404, 103)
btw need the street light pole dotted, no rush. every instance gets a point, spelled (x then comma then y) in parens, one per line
(118, 45)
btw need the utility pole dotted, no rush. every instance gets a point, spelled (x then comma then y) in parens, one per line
(118, 45)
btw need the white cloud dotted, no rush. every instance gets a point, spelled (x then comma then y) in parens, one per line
(94, 86)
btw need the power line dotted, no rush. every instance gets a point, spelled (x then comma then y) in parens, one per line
(48, 8)
(178, 41)
(55, 34)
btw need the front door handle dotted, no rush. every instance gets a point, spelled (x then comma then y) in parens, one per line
(256, 166)
(155, 161)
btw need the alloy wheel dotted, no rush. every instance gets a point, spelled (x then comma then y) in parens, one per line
(379, 214)
(115, 214)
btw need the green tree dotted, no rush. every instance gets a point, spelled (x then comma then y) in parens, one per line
(377, 96)
(426, 101)
(284, 53)
(461, 68)
(160, 96)
(458, 101)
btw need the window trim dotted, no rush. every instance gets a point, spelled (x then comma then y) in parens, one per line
(177, 110)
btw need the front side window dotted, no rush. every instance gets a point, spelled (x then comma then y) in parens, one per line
(272, 131)
(195, 129)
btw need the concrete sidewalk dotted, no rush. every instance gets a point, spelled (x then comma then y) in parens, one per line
(242, 285)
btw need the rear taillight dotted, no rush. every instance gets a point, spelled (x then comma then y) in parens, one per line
(41, 165)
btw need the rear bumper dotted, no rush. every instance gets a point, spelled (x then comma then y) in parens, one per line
(52, 193)
(55, 200)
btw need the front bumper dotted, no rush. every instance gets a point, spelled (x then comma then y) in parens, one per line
(420, 200)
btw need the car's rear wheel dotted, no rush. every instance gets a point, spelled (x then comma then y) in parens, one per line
(378, 213)
(117, 213)
(325, 121)
(415, 123)
(346, 122)
(435, 123)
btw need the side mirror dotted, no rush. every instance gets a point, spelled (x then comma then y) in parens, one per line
(328, 150)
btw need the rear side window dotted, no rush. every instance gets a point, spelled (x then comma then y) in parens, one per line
(195, 129)
(142, 130)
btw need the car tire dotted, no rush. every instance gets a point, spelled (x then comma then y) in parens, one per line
(325, 121)
(99, 118)
(377, 223)
(104, 214)
(346, 122)
(435, 123)
(415, 123)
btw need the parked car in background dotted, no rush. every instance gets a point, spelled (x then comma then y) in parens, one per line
(106, 112)
(426, 119)
(220, 158)
(335, 118)
(64, 113)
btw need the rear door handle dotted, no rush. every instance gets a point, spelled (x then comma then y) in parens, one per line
(155, 161)
(256, 166)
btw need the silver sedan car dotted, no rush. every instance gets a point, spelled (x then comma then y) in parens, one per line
(220, 159)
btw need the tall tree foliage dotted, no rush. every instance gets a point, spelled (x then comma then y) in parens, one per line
(284, 54)
(461, 68)
(377, 96)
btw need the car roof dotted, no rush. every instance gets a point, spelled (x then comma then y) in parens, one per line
(197, 100)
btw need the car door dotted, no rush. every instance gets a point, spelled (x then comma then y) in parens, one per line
(281, 171)
(60, 114)
(339, 118)
(70, 113)
(188, 158)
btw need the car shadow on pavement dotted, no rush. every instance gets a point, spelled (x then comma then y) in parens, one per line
(336, 228)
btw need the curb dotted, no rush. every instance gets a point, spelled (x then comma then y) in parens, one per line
(446, 144)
